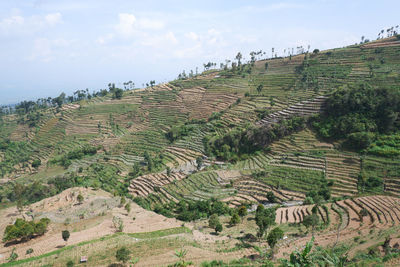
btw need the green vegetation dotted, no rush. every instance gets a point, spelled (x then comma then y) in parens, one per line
(66, 160)
(303, 180)
(23, 230)
(240, 142)
(161, 233)
(265, 218)
(123, 254)
(274, 236)
(358, 114)
(13, 153)
(187, 210)
(107, 143)
(65, 235)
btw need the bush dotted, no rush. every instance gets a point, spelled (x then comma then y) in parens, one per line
(218, 228)
(240, 142)
(118, 93)
(213, 221)
(66, 160)
(360, 140)
(36, 163)
(274, 236)
(177, 132)
(123, 254)
(65, 235)
(271, 197)
(235, 219)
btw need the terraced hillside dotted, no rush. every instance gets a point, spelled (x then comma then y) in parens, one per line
(126, 128)
(153, 144)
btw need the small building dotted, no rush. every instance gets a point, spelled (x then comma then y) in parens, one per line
(84, 259)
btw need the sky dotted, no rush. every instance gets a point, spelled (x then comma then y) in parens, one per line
(53, 46)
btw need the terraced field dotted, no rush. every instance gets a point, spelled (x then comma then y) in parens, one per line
(130, 133)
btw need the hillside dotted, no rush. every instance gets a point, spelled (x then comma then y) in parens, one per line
(242, 135)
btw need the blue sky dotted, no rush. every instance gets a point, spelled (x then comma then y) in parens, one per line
(53, 46)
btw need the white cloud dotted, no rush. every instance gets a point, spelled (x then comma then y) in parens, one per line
(126, 25)
(45, 49)
(192, 36)
(8, 24)
(20, 25)
(53, 19)
(160, 41)
(102, 40)
(150, 24)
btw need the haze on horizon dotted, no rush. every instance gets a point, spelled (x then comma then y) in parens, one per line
(48, 47)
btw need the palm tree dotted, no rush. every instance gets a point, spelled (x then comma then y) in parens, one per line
(181, 254)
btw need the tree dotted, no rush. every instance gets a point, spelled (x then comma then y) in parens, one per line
(36, 163)
(239, 58)
(265, 218)
(13, 256)
(118, 93)
(300, 258)
(259, 88)
(311, 221)
(128, 207)
(181, 255)
(118, 224)
(136, 170)
(235, 219)
(65, 235)
(218, 228)
(123, 254)
(242, 211)
(80, 198)
(168, 171)
(199, 162)
(122, 201)
(273, 237)
(25, 230)
(213, 221)
(271, 197)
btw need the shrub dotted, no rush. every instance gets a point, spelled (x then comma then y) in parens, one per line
(271, 197)
(235, 219)
(274, 236)
(65, 235)
(123, 254)
(118, 93)
(218, 228)
(80, 198)
(213, 221)
(242, 211)
(128, 207)
(13, 256)
(36, 163)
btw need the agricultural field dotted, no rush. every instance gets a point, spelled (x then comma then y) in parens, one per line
(227, 142)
